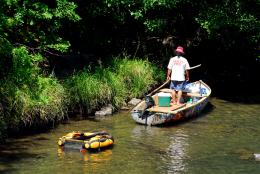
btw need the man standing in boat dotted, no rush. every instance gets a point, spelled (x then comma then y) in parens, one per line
(178, 73)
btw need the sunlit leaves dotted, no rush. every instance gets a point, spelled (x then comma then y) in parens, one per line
(155, 25)
(153, 4)
(11, 2)
(137, 14)
(25, 66)
(228, 14)
(66, 9)
(27, 21)
(62, 47)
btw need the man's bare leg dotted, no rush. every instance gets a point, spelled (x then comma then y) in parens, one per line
(179, 94)
(173, 96)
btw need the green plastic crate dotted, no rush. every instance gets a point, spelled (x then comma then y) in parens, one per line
(164, 99)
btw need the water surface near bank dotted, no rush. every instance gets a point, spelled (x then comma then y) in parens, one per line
(221, 140)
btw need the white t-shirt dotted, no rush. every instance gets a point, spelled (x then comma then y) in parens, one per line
(178, 65)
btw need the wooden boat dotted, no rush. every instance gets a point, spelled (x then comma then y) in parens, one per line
(154, 114)
(88, 140)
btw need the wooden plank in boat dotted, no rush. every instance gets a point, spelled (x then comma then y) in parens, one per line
(184, 93)
(166, 109)
(166, 90)
(192, 94)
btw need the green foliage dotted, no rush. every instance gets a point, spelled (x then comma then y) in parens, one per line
(87, 92)
(49, 102)
(25, 105)
(61, 47)
(5, 57)
(138, 75)
(36, 24)
(145, 11)
(118, 89)
(25, 66)
(226, 14)
(115, 85)
(27, 96)
(190, 22)
(155, 25)
(28, 29)
(66, 9)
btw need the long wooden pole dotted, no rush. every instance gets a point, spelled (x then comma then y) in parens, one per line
(195, 66)
(165, 83)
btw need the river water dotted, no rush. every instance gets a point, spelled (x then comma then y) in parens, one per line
(220, 141)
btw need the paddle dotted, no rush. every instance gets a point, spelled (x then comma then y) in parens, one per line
(165, 83)
(195, 66)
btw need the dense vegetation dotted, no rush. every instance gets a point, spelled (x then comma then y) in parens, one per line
(221, 35)
(28, 34)
(51, 49)
(115, 85)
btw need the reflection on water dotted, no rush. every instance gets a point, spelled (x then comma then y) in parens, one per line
(177, 154)
(93, 156)
(91, 161)
(172, 143)
(220, 141)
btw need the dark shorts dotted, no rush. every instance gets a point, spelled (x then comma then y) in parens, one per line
(177, 85)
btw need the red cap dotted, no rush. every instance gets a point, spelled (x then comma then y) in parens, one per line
(179, 49)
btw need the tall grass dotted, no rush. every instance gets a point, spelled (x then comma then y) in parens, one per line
(115, 85)
(87, 92)
(27, 106)
(138, 75)
(49, 102)
(27, 97)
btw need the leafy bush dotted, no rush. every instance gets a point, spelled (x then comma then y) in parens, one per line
(27, 96)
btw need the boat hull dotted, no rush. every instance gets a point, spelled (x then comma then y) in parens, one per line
(157, 118)
(142, 115)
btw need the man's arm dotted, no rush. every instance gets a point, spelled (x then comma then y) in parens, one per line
(187, 75)
(169, 74)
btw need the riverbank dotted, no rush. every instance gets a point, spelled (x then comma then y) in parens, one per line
(49, 100)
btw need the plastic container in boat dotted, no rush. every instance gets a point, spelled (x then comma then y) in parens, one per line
(164, 99)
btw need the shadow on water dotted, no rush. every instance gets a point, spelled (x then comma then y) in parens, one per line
(15, 153)
(46, 128)
(31, 130)
(244, 99)
(237, 93)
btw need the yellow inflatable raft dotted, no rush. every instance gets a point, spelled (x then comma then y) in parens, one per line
(90, 140)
